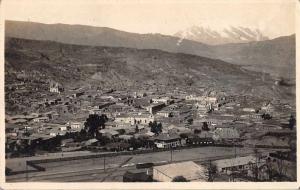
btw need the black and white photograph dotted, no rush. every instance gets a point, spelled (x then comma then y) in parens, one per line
(149, 91)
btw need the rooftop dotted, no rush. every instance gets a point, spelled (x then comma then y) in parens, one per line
(165, 137)
(235, 161)
(189, 170)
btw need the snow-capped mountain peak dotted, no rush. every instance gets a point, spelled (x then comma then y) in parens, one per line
(231, 34)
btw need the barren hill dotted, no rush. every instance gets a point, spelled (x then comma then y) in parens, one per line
(276, 56)
(132, 68)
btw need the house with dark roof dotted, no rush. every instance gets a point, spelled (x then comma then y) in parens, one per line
(136, 177)
(168, 141)
(204, 138)
(244, 166)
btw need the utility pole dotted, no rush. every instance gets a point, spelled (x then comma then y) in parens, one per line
(171, 151)
(256, 163)
(210, 177)
(26, 171)
(104, 163)
(235, 150)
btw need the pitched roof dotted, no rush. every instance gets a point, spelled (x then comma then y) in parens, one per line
(205, 134)
(234, 161)
(149, 133)
(136, 177)
(126, 137)
(189, 170)
(226, 133)
(164, 137)
(90, 141)
(110, 131)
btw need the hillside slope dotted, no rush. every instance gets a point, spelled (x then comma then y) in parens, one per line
(100, 36)
(276, 56)
(74, 65)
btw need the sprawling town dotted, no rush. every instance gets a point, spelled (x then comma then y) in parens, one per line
(145, 134)
(119, 93)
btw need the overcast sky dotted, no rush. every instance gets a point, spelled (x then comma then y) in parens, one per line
(273, 17)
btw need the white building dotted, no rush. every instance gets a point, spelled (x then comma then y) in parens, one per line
(203, 108)
(165, 100)
(168, 141)
(76, 125)
(135, 119)
(56, 87)
(153, 108)
(249, 110)
(207, 99)
(237, 164)
(268, 108)
(41, 119)
(63, 128)
(189, 170)
(95, 111)
(163, 113)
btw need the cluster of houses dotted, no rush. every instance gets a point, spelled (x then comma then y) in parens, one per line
(186, 120)
(254, 167)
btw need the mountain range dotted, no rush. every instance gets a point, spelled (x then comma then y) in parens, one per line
(275, 56)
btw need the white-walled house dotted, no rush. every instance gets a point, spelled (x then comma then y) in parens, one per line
(165, 100)
(63, 128)
(41, 119)
(76, 125)
(208, 99)
(168, 141)
(135, 119)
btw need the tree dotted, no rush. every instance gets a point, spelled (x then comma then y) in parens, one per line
(136, 129)
(266, 116)
(155, 127)
(179, 179)
(104, 140)
(159, 127)
(82, 132)
(255, 168)
(183, 135)
(269, 168)
(197, 131)
(135, 143)
(95, 122)
(205, 126)
(281, 166)
(121, 131)
(292, 122)
(212, 171)
(150, 124)
(190, 121)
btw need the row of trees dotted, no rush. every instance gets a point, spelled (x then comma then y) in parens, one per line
(155, 127)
